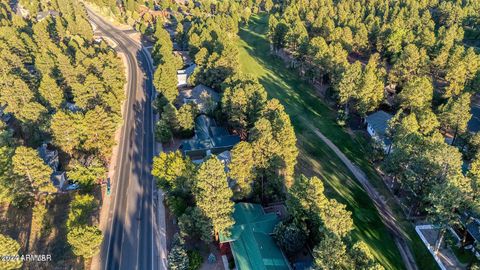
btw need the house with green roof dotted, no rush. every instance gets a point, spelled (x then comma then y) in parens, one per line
(251, 241)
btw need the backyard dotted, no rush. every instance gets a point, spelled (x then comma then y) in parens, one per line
(302, 104)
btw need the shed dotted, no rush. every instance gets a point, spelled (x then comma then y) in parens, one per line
(184, 74)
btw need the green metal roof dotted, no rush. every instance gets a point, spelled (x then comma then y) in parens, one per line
(250, 240)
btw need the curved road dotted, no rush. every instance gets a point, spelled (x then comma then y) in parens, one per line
(130, 239)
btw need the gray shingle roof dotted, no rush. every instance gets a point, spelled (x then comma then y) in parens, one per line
(379, 122)
(209, 136)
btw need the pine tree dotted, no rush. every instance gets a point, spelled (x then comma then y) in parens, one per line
(242, 169)
(31, 168)
(10, 247)
(51, 94)
(331, 254)
(371, 91)
(85, 240)
(243, 100)
(177, 257)
(194, 223)
(165, 81)
(173, 172)
(417, 94)
(67, 130)
(349, 83)
(99, 128)
(213, 195)
(87, 175)
(283, 133)
(455, 114)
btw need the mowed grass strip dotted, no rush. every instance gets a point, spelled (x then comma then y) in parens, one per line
(316, 158)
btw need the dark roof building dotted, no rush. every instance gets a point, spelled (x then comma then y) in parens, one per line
(377, 125)
(50, 157)
(209, 139)
(474, 123)
(250, 239)
(59, 179)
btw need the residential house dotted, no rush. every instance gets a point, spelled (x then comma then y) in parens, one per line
(44, 14)
(377, 125)
(59, 180)
(50, 157)
(209, 139)
(250, 240)
(205, 97)
(184, 74)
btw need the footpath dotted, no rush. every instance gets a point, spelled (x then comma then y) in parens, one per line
(383, 209)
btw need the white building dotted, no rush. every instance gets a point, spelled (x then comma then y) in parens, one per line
(184, 74)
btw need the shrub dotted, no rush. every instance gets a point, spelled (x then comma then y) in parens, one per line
(195, 259)
(176, 204)
(163, 133)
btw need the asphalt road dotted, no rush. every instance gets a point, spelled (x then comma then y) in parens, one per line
(130, 238)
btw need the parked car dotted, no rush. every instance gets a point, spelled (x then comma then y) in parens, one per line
(108, 186)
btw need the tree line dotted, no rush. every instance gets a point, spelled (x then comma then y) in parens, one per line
(407, 57)
(60, 86)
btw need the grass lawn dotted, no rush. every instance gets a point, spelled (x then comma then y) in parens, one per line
(316, 158)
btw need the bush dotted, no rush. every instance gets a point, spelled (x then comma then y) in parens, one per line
(176, 204)
(159, 103)
(163, 133)
(195, 259)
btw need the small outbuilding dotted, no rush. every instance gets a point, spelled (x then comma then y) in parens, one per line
(377, 125)
(184, 74)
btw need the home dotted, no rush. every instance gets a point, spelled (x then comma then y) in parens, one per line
(59, 179)
(205, 97)
(50, 157)
(250, 240)
(377, 125)
(184, 74)
(209, 139)
(44, 14)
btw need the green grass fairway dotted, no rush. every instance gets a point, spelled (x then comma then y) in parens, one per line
(316, 158)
